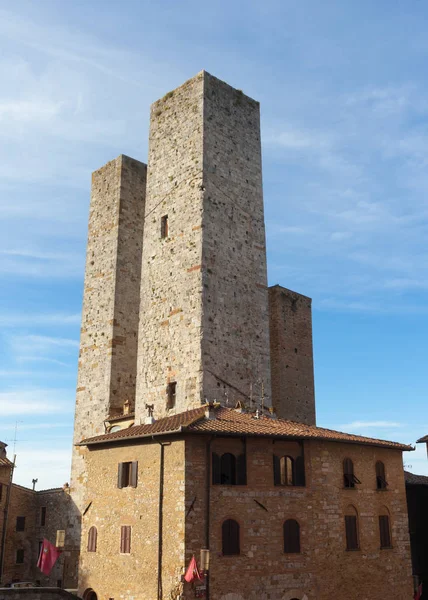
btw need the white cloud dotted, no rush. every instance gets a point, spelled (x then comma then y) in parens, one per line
(369, 424)
(35, 401)
(25, 319)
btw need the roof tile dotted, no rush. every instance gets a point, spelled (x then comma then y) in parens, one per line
(234, 423)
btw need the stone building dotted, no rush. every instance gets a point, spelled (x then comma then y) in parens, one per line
(417, 503)
(195, 411)
(26, 517)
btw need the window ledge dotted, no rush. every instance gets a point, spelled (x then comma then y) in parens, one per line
(353, 549)
(387, 547)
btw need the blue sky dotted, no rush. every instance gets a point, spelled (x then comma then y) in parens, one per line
(344, 100)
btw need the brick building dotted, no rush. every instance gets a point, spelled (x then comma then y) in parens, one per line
(187, 359)
(26, 517)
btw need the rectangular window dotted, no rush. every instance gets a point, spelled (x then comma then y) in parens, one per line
(127, 474)
(20, 523)
(43, 516)
(164, 226)
(20, 557)
(1, 491)
(125, 539)
(351, 532)
(59, 583)
(40, 548)
(60, 538)
(171, 393)
(385, 532)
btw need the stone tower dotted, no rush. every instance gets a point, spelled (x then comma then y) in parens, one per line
(108, 340)
(204, 325)
(291, 354)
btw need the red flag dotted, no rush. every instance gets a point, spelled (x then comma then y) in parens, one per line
(192, 572)
(48, 557)
(418, 593)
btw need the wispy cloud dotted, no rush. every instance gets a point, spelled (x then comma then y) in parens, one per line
(35, 401)
(25, 319)
(370, 424)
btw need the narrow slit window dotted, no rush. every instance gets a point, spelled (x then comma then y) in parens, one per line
(20, 523)
(171, 394)
(20, 554)
(92, 539)
(381, 483)
(164, 226)
(351, 529)
(385, 531)
(125, 539)
(43, 516)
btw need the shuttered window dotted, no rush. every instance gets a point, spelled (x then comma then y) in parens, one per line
(20, 523)
(92, 539)
(291, 536)
(230, 537)
(127, 474)
(287, 471)
(20, 554)
(229, 469)
(125, 539)
(349, 477)
(351, 528)
(381, 483)
(385, 531)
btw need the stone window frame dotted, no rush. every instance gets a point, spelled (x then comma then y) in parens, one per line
(92, 539)
(299, 530)
(281, 470)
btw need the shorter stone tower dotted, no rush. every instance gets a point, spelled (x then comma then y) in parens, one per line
(291, 355)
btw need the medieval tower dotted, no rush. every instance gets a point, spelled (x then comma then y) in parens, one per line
(176, 303)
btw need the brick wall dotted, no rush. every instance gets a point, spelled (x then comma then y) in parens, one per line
(22, 504)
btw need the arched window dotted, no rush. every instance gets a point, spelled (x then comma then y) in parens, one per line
(381, 483)
(384, 528)
(348, 474)
(229, 469)
(291, 536)
(92, 539)
(230, 537)
(285, 470)
(351, 528)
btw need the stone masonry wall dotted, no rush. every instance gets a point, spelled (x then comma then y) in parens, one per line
(22, 504)
(133, 576)
(203, 317)
(171, 285)
(108, 342)
(291, 352)
(235, 341)
(324, 569)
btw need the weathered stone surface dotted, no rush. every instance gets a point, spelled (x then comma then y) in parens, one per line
(291, 355)
(204, 311)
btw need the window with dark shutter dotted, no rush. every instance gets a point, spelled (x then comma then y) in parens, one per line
(171, 394)
(127, 474)
(215, 466)
(351, 529)
(381, 483)
(125, 539)
(385, 531)
(20, 554)
(1, 491)
(92, 539)
(241, 470)
(228, 469)
(349, 477)
(43, 516)
(230, 537)
(291, 536)
(299, 469)
(20, 523)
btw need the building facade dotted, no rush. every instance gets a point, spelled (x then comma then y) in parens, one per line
(187, 359)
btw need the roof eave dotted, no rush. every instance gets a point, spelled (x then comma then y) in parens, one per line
(130, 438)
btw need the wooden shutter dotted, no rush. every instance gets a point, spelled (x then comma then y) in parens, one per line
(125, 539)
(215, 468)
(291, 536)
(230, 537)
(134, 473)
(351, 532)
(120, 475)
(381, 483)
(241, 470)
(276, 470)
(228, 469)
(348, 473)
(299, 465)
(92, 539)
(385, 532)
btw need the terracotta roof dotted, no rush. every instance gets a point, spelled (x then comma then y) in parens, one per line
(412, 479)
(423, 439)
(121, 417)
(231, 422)
(5, 462)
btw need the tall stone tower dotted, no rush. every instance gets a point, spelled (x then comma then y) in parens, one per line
(108, 341)
(204, 325)
(291, 354)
